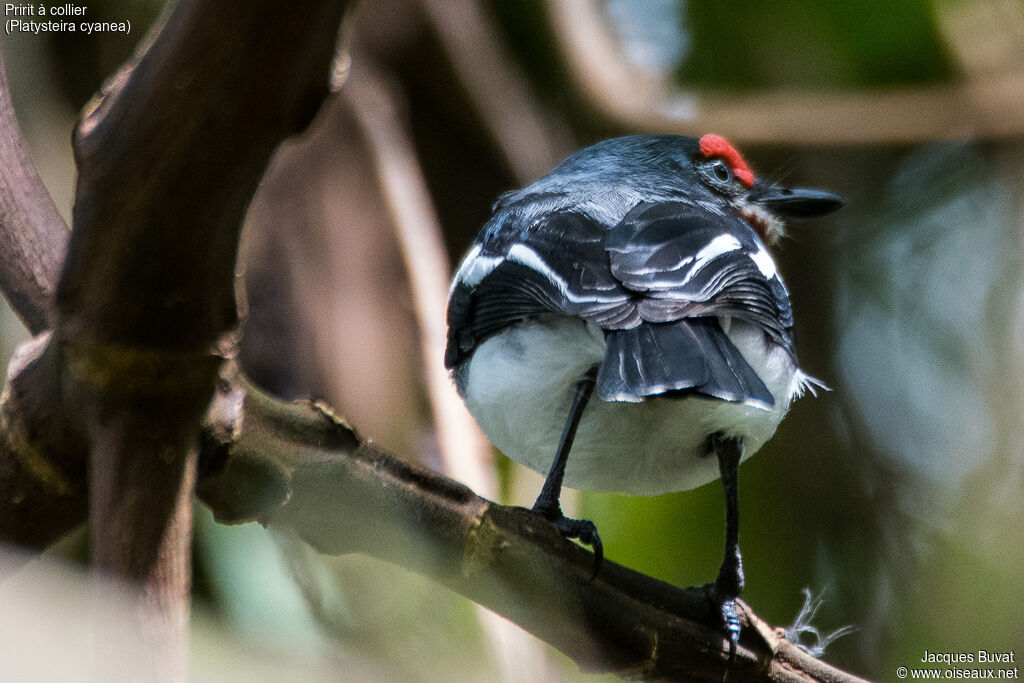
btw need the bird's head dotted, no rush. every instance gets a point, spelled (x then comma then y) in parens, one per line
(706, 171)
(764, 205)
(607, 179)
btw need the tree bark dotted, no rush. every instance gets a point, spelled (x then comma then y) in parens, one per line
(299, 467)
(168, 159)
(34, 234)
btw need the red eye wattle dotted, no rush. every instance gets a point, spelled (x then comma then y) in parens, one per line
(716, 146)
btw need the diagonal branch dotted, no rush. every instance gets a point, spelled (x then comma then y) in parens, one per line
(531, 143)
(298, 467)
(33, 235)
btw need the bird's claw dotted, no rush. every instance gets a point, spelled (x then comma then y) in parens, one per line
(584, 531)
(730, 613)
(731, 624)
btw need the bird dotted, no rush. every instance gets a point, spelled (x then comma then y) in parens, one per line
(620, 325)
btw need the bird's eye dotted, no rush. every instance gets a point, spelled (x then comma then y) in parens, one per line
(721, 170)
(719, 176)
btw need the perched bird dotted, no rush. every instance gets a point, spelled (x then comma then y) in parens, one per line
(637, 270)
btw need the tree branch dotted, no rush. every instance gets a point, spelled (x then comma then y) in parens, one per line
(465, 452)
(32, 233)
(979, 105)
(43, 486)
(41, 481)
(530, 142)
(168, 159)
(298, 467)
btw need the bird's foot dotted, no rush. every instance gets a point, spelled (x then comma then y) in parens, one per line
(731, 624)
(730, 613)
(583, 530)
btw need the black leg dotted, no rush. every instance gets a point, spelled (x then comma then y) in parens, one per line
(729, 583)
(547, 504)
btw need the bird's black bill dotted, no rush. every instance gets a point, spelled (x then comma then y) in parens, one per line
(798, 202)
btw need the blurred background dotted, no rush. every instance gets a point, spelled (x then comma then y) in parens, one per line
(897, 495)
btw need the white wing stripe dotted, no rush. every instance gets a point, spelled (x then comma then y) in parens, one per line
(722, 244)
(764, 262)
(474, 269)
(525, 256)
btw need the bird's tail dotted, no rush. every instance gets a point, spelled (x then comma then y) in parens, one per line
(692, 355)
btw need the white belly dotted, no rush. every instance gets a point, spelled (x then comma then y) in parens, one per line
(519, 386)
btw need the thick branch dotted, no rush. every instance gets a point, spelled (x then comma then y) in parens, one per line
(43, 487)
(297, 467)
(168, 159)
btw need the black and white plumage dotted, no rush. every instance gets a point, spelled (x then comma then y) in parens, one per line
(637, 267)
(624, 257)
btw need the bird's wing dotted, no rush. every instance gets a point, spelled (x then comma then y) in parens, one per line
(656, 283)
(689, 267)
(558, 265)
(686, 262)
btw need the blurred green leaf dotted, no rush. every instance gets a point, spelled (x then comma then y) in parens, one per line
(812, 44)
